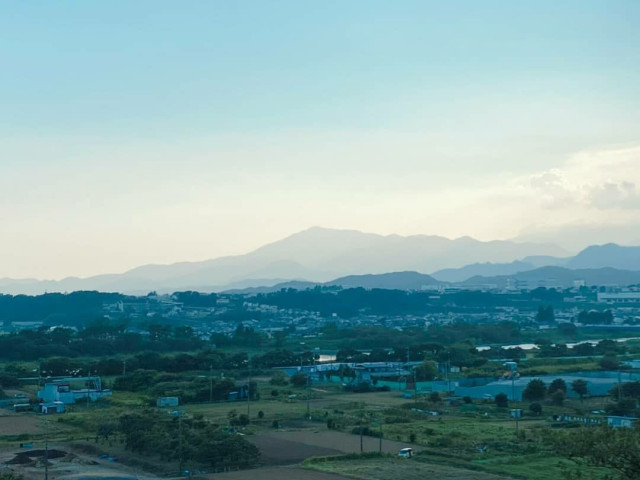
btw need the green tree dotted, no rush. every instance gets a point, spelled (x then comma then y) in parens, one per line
(609, 362)
(299, 379)
(557, 398)
(580, 387)
(614, 448)
(279, 378)
(279, 338)
(427, 370)
(535, 390)
(557, 384)
(545, 314)
(535, 408)
(501, 400)
(624, 406)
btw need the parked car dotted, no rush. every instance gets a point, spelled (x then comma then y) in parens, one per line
(406, 453)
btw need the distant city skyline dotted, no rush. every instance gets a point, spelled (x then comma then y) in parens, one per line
(150, 132)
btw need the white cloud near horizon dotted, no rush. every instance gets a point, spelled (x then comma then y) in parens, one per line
(605, 179)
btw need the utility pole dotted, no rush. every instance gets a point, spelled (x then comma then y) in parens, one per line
(516, 413)
(180, 441)
(361, 446)
(308, 383)
(309, 387)
(619, 385)
(449, 372)
(249, 389)
(211, 383)
(88, 384)
(46, 448)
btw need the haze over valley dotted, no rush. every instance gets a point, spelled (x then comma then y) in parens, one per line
(323, 255)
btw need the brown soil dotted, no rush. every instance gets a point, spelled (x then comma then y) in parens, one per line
(12, 424)
(281, 451)
(277, 473)
(325, 442)
(28, 455)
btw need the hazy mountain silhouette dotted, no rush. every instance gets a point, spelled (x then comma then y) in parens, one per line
(392, 281)
(317, 254)
(609, 255)
(594, 257)
(481, 269)
(560, 277)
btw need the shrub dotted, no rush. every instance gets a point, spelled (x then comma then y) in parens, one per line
(535, 390)
(502, 401)
(299, 380)
(535, 408)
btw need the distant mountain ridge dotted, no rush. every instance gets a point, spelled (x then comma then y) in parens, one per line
(481, 269)
(392, 281)
(552, 277)
(321, 255)
(388, 281)
(593, 257)
(559, 277)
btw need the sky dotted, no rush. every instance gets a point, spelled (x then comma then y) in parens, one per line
(136, 132)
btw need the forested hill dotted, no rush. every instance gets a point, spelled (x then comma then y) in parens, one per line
(70, 309)
(80, 308)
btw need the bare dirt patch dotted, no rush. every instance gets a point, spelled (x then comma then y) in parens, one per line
(12, 424)
(64, 464)
(276, 450)
(337, 442)
(399, 469)
(277, 473)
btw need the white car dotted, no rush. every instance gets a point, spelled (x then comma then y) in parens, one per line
(406, 453)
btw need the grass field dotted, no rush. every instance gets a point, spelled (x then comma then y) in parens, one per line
(464, 442)
(397, 469)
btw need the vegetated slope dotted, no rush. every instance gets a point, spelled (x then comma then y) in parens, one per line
(552, 276)
(481, 269)
(391, 281)
(594, 257)
(609, 255)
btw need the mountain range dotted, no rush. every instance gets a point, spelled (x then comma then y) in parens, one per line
(593, 257)
(319, 255)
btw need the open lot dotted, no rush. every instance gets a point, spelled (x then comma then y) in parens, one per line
(277, 473)
(67, 463)
(338, 441)
(12, 424)
(295, 446)
(399, 469)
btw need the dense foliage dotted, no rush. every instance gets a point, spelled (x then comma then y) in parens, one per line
(614, 448)
(186, 439)
(100, 338)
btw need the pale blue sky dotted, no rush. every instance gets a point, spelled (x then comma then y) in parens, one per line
(213, 127)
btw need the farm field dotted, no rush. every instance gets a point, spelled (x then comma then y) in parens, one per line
(310, 433)
(296, 446)
(277, 473)
(12, 424)
(398, 469)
